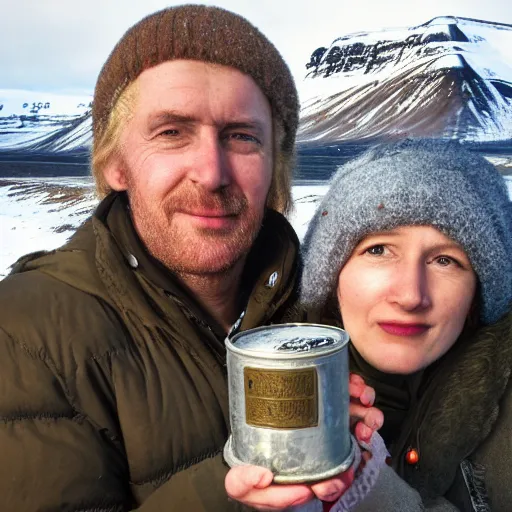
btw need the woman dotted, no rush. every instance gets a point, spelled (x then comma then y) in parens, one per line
(411, 251)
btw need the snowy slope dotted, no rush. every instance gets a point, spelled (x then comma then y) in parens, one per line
(42, 213)
(43, 121)
(450, 77)
(15, 102)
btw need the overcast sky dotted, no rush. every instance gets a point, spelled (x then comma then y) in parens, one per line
(60, 45)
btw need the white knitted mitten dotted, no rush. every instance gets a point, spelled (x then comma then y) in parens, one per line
(364, 481)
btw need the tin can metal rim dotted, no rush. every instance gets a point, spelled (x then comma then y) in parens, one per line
(232, 461)
(231, 346)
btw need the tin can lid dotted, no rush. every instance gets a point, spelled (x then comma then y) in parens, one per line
(289, 340)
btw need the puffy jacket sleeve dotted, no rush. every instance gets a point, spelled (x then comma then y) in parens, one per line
(199, 488)
(52, 456)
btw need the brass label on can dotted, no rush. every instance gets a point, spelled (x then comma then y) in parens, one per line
(281, 398)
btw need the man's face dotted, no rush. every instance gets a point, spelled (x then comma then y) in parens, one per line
(196, 162)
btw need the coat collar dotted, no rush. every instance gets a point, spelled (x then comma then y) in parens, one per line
(98, 259)
(459, 407)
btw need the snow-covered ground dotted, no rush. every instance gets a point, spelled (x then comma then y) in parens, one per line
(37, 214)
(41, 214)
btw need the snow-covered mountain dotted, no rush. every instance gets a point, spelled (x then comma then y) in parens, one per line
(450, 77)
(44, 121)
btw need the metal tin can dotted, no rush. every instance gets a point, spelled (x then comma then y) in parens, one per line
(289, 401)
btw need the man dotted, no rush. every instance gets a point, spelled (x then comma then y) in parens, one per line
(113, 380)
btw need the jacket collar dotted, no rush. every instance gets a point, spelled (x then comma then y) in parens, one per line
(106, 258)
(268, 278)
(459, 407)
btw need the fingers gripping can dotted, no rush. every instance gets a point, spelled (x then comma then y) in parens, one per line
(289, 401)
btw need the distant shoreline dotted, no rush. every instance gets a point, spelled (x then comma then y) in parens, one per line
(313, 161)
(15, 164)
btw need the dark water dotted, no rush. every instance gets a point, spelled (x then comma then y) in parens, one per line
(319, 162)
(19, 164)
(314, 162)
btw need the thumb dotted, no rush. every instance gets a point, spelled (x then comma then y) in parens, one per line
(240, 480)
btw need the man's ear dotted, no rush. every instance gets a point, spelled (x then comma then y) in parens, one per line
(114, 174)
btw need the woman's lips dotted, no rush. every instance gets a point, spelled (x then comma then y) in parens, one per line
(399, 329)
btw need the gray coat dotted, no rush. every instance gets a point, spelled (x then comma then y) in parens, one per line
(463, 435)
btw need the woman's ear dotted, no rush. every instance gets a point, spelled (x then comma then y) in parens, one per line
(332, 312)
(473, 319)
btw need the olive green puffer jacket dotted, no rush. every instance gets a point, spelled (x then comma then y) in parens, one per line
(112, 377)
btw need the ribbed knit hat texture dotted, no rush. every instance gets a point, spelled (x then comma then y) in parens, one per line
(414, 182)
(204, 33)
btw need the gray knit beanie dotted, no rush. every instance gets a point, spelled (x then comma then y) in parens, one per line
(414, 182)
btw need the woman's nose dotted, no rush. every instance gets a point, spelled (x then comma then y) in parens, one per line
(409, 288)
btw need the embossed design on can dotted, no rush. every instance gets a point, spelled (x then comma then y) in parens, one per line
(281, 399)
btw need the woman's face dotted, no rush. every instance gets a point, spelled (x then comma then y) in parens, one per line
(404, 296)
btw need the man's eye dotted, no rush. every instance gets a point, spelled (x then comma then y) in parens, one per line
(170, 132)
(244, 137)
(376, 250)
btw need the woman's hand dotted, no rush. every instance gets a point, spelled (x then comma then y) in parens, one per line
(252, 485)
(364, 418)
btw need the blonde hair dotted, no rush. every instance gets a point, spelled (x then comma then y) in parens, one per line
(279, 197)
(107, 146)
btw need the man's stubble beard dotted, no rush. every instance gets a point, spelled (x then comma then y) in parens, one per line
(191, 251)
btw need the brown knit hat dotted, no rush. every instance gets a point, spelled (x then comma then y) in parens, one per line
(204, 33)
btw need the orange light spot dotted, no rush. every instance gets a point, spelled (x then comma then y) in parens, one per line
(412, 456)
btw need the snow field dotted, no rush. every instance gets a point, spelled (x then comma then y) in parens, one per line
(41, 214)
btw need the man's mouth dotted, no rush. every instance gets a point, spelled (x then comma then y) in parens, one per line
(209, 213)
(210, 219)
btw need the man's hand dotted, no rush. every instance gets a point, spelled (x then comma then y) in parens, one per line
(252, 485)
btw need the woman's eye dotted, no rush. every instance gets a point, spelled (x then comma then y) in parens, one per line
(376, 250)
(446, 261)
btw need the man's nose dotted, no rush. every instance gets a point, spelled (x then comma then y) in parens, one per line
(210, 168)
(410, 288)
